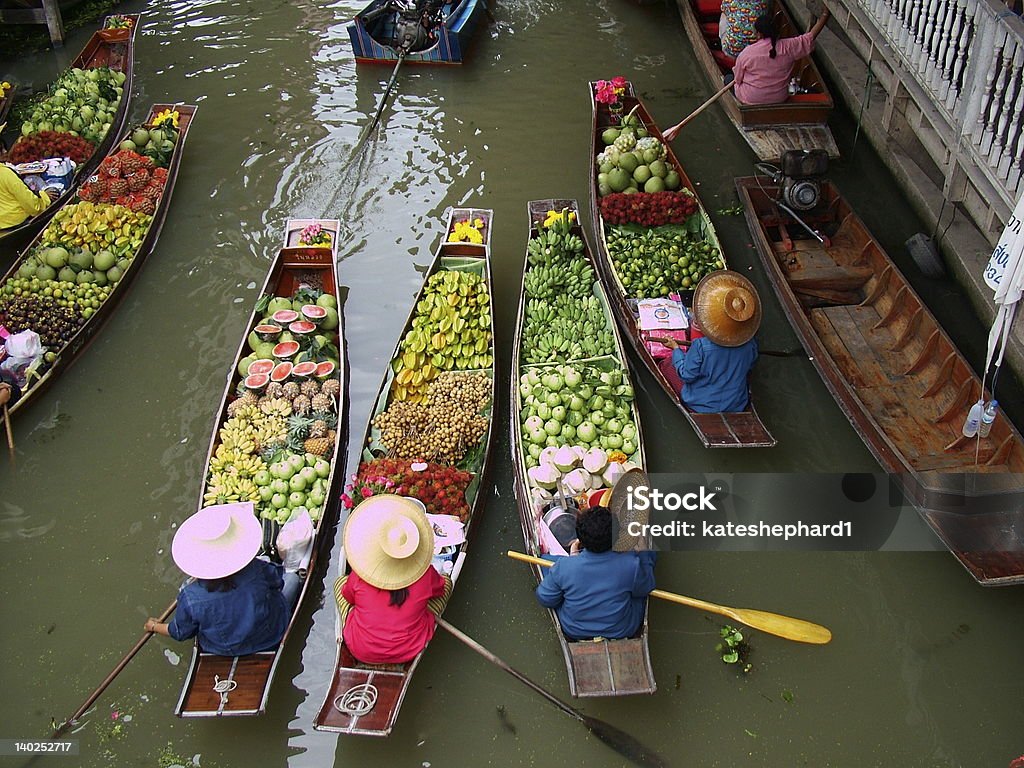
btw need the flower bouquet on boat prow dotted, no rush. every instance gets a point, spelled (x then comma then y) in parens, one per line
(276, 444)
(315, 236)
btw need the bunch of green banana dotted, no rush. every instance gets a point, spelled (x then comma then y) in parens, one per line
(550, 248)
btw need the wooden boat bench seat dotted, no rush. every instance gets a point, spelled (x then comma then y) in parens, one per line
(828, 276)
(732, 430)
(854, 355)
(610, 667)
(708, 7)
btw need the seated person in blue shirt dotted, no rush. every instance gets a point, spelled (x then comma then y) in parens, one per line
(235, 603)
(711, 377)
(597, 592)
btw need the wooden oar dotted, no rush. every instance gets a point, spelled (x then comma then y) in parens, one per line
(772, 623)
(110, 678)
(618, 740)
(672, 132)
(10, 434)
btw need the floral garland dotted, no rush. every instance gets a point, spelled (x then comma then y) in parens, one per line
(167, 116)
(314, 234)
(4, 88)
(118, 22)
(467, 231)
(564, 216)
(609, 91)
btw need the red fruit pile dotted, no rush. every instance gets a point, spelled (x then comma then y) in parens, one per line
(127, 179)
(44, 144)
(441, 489)
(649, 209)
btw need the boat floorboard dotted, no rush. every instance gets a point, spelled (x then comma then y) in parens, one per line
(611, 667)
(774, 141)
(250, 673)
(388, 680)
(741, 429)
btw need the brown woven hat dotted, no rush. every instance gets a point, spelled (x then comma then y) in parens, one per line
(727, 308)
(619, 505)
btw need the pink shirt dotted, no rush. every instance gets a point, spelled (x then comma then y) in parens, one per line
(761, 79)
(379, 633)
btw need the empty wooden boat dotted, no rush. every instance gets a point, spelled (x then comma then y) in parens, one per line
(219, 686)
(897, 376)
(595, 667)
(365, 699)
(769, 129)
(743, 429)
(433, 32)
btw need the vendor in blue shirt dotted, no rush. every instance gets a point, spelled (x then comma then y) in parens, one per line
(235, 603)
(597, 592)
(711, 377)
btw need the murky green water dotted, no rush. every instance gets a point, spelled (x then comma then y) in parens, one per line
(925, 667)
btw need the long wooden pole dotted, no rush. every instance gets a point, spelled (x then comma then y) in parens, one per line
(615, 738)
(772, 623)
(113, 674)
(672, 132)
(10, 434)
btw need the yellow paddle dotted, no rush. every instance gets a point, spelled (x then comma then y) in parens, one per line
(772, 623)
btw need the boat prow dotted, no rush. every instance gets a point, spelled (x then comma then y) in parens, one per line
(381, 31)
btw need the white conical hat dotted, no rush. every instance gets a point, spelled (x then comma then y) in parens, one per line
(218, 541)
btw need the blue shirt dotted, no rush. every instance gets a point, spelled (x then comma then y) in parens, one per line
(715, 377)
(599, 594)
(251, 617)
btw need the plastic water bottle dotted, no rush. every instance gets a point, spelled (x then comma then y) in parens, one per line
(987, 417)
(973, 422)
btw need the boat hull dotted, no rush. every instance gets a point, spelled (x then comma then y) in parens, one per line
(898, 377)
(371, 42)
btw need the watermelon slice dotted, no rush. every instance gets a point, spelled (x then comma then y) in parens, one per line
(314, 313)
(304, 370)
(267, 331)
(261, 366)
(286, 349)
(301, 327)
(257, 382)
(285, 316)
(324, 370)
(281, 372)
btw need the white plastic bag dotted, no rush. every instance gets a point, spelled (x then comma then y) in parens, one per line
(295, 542)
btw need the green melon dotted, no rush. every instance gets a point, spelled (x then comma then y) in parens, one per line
(628, 162)
(618, 179)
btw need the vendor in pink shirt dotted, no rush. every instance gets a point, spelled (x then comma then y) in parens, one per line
(763, 68)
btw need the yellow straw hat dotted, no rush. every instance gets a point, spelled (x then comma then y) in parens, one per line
(388, 541)
(727, 308)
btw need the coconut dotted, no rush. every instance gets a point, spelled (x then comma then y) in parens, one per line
(540, 497)
(596, 481)
(543, 476)
(577, 481)
(612, 474)
(565, 459)
(595, 461)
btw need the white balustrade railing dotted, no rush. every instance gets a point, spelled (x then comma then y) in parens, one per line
(968, 56)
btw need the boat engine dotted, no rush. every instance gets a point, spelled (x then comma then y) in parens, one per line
(801, 172)
(415, 21)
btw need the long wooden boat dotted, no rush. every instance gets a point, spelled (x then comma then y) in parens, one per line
(769, 129)
(98, 52)
(220, 686)
(595, 667)
(377, 32)
(898, 377)
(68, 350)
(743, 429)
(365, 699)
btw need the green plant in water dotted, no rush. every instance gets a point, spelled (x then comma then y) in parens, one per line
(733, 648)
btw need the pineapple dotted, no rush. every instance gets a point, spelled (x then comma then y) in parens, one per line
(318, 429)
(249, 398)
(330, 419)
(310, 388)
(321, 446)
(301, 405)
(331, 388)
(275, 389)
(118, 187)
(137, 181)
(291, 390)
(299, 427)
(146, 206)
(322, 402)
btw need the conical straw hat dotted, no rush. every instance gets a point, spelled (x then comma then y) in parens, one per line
(623, 515)
(388, 541)
(727, 308)
(218, 541)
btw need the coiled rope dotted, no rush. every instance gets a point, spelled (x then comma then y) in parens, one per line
(223, 687)
(357, 700)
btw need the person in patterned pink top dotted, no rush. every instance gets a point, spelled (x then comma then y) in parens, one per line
(763, 69)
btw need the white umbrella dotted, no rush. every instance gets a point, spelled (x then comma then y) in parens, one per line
(1005, 275)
